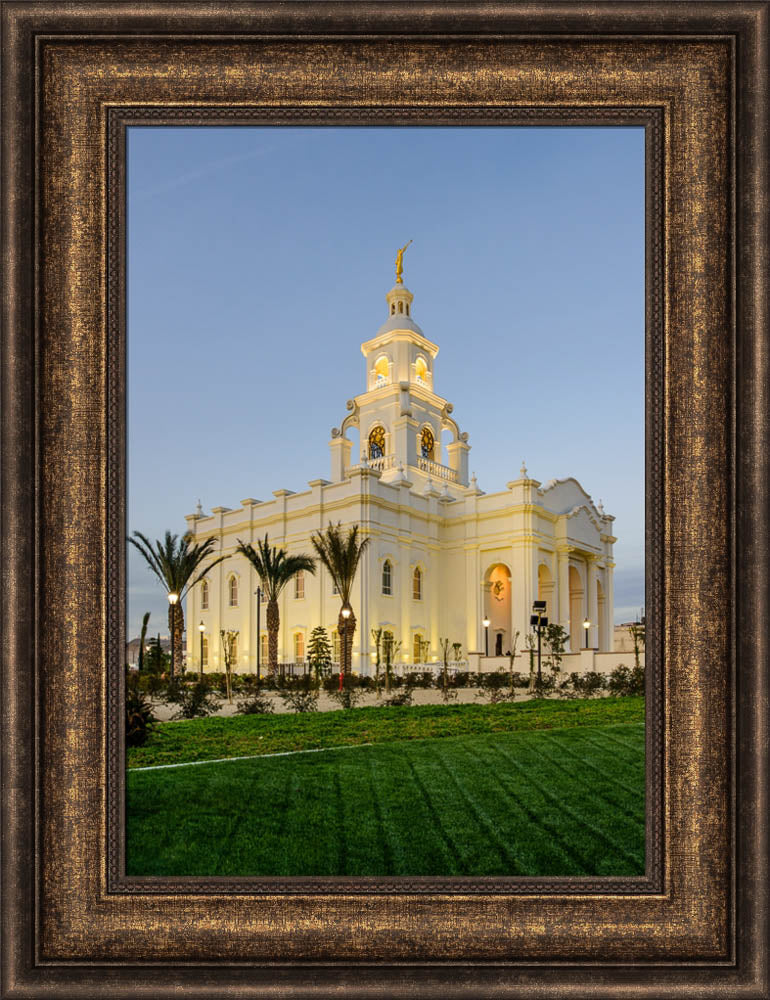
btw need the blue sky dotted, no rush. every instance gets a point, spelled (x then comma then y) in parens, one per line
(259, 259)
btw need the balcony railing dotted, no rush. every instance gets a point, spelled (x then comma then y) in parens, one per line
(434, 469)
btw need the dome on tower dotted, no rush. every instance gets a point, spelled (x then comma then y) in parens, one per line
(399, 300)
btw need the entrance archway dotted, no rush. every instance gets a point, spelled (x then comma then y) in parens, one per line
(497, 606)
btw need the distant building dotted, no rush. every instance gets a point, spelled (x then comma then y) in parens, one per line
(443, 554)
(623, 640)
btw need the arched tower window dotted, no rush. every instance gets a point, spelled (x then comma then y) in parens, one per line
(377, 442)
(387, 577)
(392, 308)
(427, 443)
(232, 591)
(381, 370)
(420, 370)
(417, 584)
(205, 595)
(401, 307)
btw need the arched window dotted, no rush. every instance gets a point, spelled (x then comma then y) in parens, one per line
(377, 442)
(205, 651)
(232, 590)
(387, 577)
(417, 584)
(299, 584)
(382, 370)
(417, 648)
(299, 647)
(205, 595)
(401, 307)
(407, 309)
(427, 443)
(392, 308)
(263, 648)
(420, 369)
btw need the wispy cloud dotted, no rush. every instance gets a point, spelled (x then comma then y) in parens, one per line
(212, 167)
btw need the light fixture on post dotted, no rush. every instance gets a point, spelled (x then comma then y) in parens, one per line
(485, 623)
(538, 621)
(346, 612)
(172, 600)
(258, 592)
(586, 627)
(201, 629)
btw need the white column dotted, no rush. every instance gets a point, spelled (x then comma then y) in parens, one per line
(592, 606)
(562, 585)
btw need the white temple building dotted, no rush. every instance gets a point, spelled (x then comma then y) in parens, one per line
(443, 556)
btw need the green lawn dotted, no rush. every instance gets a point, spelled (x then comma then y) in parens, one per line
(245, 735)
(537, 801)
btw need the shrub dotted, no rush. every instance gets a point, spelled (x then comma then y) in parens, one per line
(194, 701)
(626, 680)
(256, 702)
(300, 701)
(402, 698)
(139, 714)
(348, 697)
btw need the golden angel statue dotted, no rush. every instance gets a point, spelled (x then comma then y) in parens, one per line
(400, 264)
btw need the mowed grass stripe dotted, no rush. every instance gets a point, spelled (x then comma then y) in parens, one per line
(437, 807)
(599, 789)
(581, 832)
(589, 756)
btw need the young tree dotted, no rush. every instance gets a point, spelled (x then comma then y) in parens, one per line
(512, 656)
(142, 638)
(377, 640)
(445, 646)
(556, 638)
(176, 563)
(424, 650)
(319, 653)
(274, 568)
(391, 649)
(340, 552)
(637, 634)
(229, 643)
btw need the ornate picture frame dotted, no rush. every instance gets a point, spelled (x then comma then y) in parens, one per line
(74, 78)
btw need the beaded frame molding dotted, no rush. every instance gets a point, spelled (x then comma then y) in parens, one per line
(74, 78)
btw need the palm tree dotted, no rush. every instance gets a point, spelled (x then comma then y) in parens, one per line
(340, 552)
(275, 568)
(175, 561)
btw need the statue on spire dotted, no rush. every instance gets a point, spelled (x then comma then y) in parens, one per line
(400, 263)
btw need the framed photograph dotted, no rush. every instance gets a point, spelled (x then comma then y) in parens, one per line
(526, 584)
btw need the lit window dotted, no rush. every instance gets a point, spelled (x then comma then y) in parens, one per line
(263, 648)
(420, 369)
(205, 651)
(382, 370)
(401, 307)
(417, 584)
(387, 644)
(335, 645)
(387, 577)
(427, 443)
(205, 595)
(232, 585)
(377, 442)
(299, 647)
(417, 648)
(299, 584)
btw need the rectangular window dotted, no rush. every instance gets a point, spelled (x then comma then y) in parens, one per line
(299, 584)
(263, 648)
(205, 652)
(417, 648)
(336, 645)
(299, 647)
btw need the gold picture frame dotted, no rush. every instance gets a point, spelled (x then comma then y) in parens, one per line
(74, 78)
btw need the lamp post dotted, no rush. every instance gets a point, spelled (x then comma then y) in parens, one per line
(201, 629)
(258, 592)
(172, 599)
(586, 627)
(344, 651)
(485, 623)
(538, 621)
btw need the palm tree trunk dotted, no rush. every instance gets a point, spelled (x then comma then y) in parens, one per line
(178, 630)
(347, 628)
(273, 623)
(171, 642)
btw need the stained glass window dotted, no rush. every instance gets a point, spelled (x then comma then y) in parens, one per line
(377, 442)
(426, 443)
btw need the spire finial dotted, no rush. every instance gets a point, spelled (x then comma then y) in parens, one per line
(523, 469)
(400, 263)
(199, 509)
